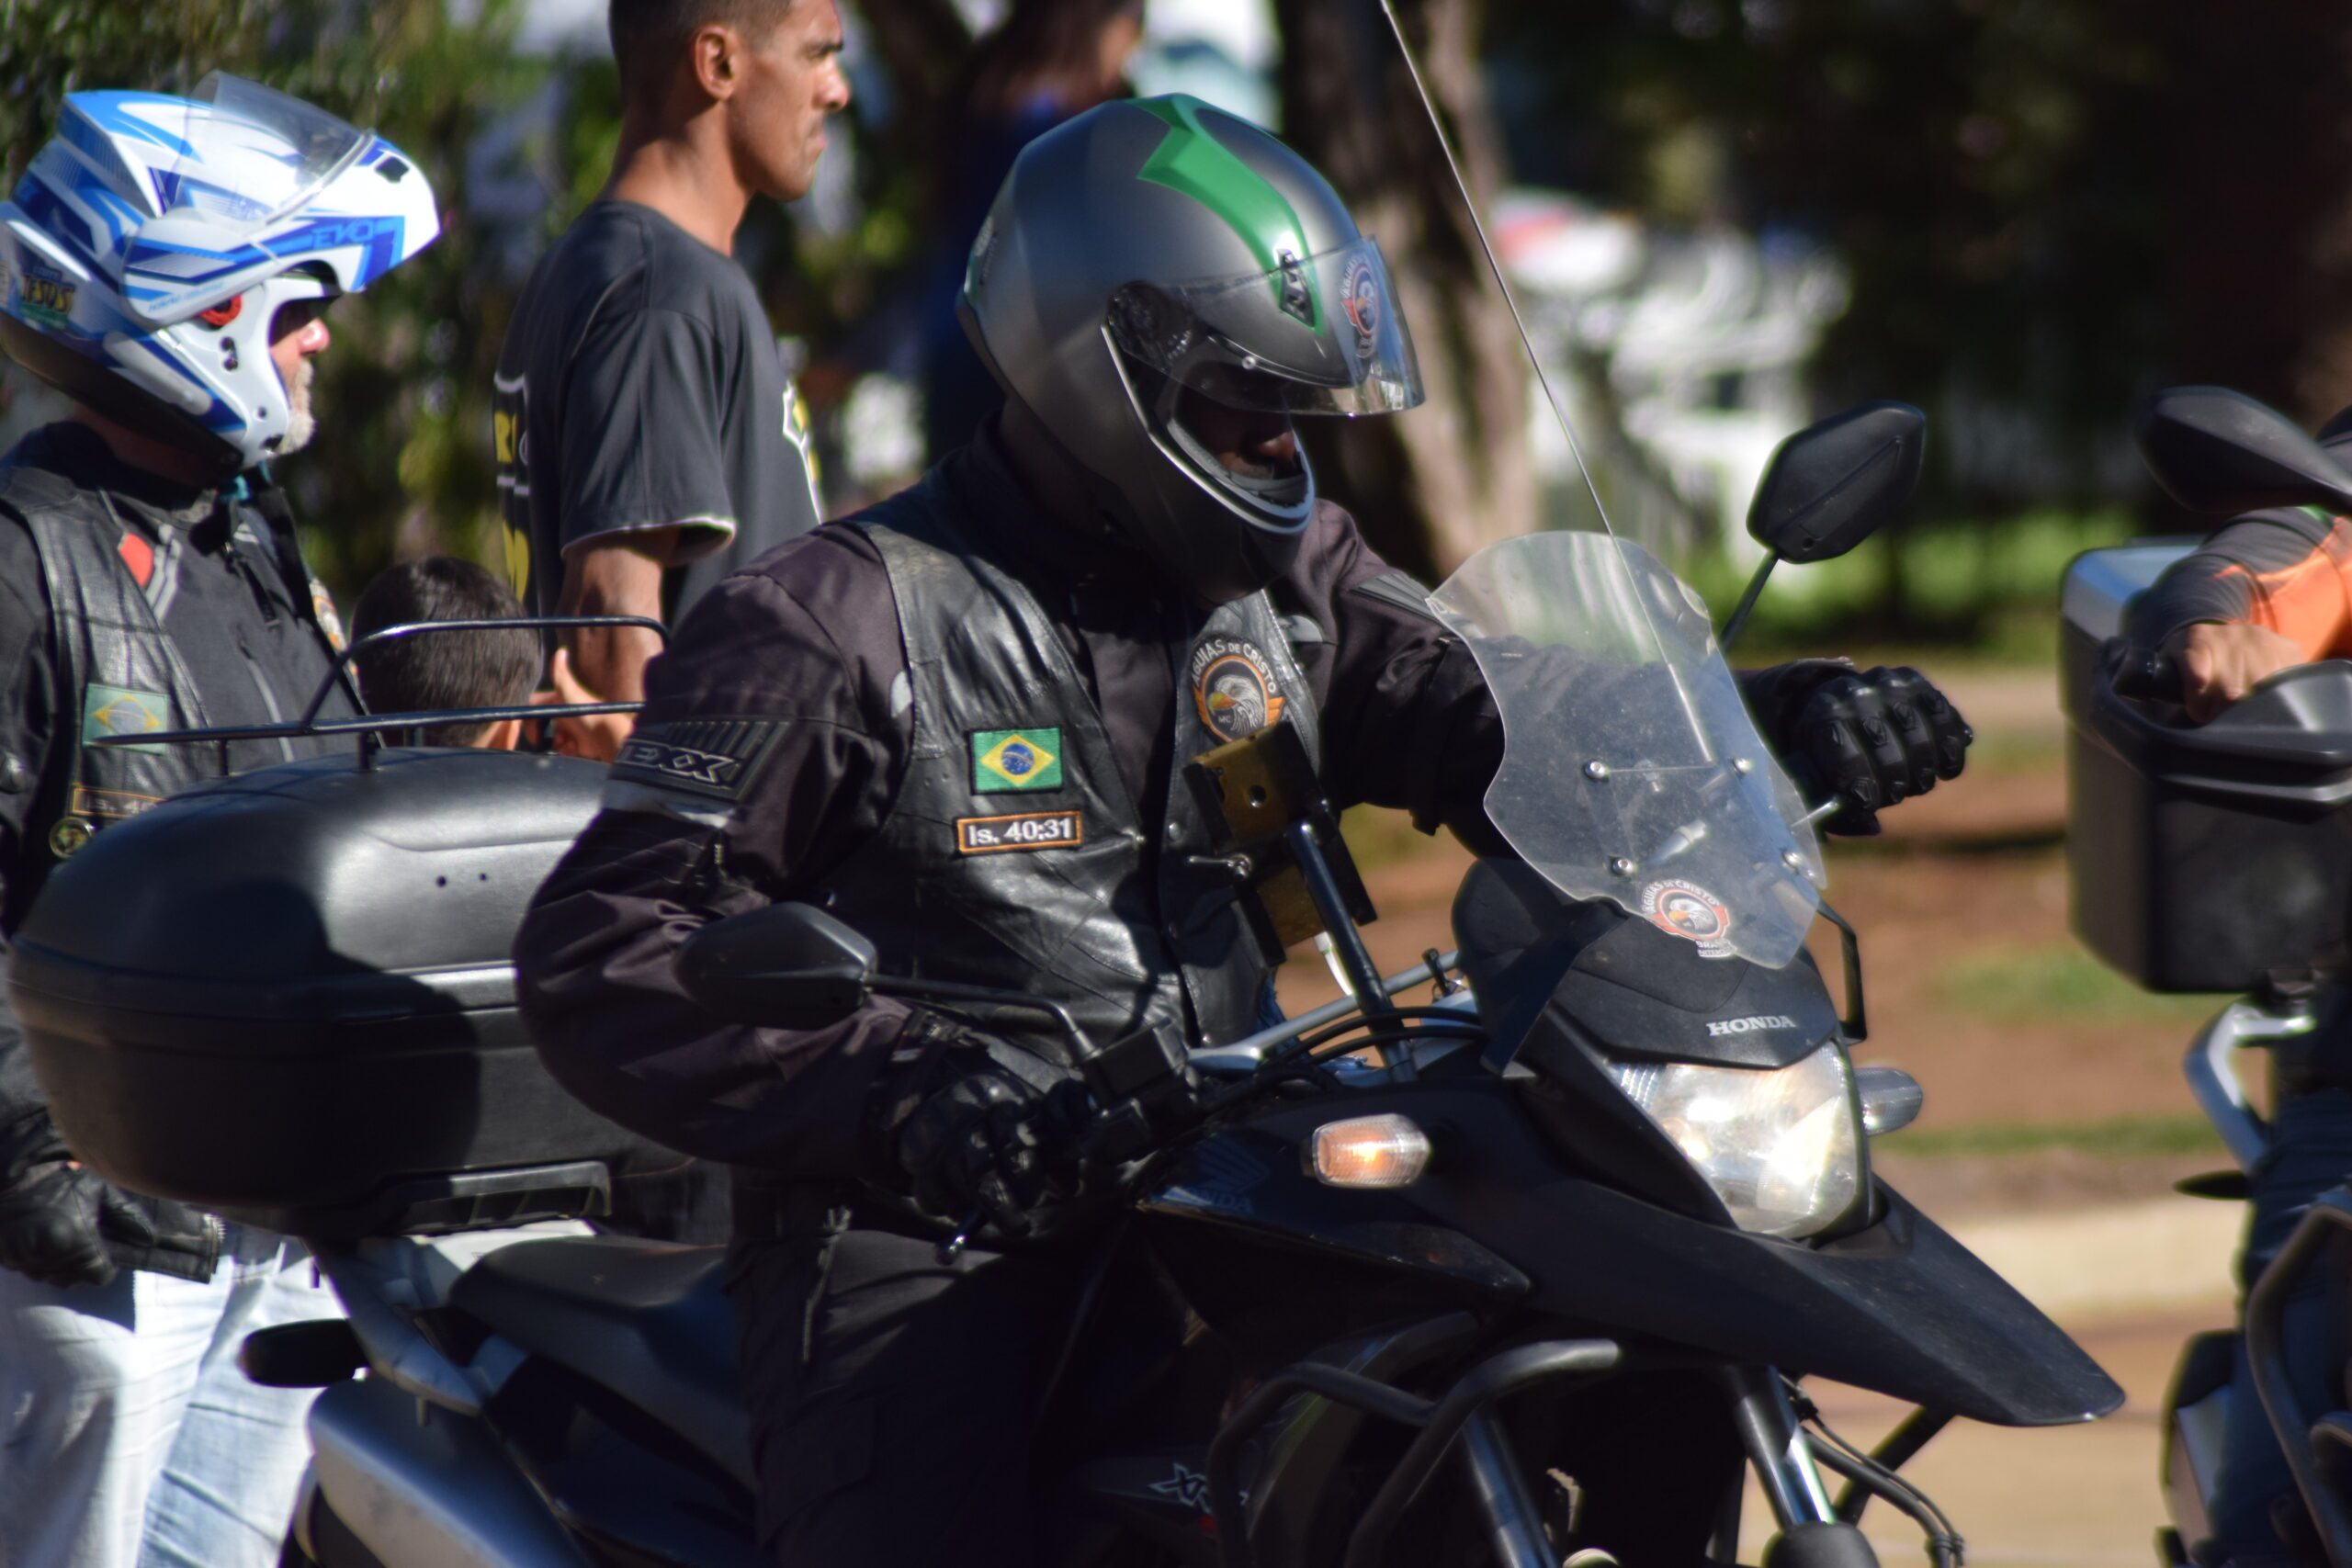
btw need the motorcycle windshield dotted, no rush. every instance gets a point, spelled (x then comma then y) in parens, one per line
(1631, 769)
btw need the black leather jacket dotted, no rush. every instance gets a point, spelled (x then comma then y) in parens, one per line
(130, 602)
(779, 757)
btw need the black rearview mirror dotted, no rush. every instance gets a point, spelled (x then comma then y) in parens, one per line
(790, 965)
(2220, 453)
(1833, 484)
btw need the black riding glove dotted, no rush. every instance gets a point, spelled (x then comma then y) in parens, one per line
(994, 1142)
(1873, 740)
(55, 1220)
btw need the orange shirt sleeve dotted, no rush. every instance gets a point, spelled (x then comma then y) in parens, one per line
(2309, 600)
(2288, 571)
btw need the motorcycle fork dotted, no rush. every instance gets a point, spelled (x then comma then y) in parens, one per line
(1514, 1517)
(1776, 1446)
(1768, 1428)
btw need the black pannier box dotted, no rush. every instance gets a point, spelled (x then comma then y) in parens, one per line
(2201, 858)
(286, 998)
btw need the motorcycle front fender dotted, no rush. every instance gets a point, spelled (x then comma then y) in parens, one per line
(1899, 1307)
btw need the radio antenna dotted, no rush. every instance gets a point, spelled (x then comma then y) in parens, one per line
(1493, 264)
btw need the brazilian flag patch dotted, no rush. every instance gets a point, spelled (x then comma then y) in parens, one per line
(123, 710)
(1016, 760)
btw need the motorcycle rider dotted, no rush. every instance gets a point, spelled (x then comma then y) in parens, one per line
(959, 721)
(2263, 593)
(164, 264)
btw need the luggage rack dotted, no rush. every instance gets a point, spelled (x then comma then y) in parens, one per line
(370, 729)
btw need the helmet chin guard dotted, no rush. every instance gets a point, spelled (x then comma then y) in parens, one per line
(1224, 535)
(1155, 266)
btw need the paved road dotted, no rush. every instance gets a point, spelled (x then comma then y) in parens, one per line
(2064, 1497)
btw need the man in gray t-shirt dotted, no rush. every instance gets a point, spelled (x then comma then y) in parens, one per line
(648, 442)
(646, 395)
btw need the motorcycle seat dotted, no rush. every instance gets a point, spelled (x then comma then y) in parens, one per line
(647, 1320)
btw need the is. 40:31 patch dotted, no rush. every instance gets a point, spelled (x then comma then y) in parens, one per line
(1021, 830)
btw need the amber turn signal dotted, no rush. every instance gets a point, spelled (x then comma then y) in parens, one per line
(1369, 1151)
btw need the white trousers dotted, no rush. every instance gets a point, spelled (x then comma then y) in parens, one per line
(128, 1436)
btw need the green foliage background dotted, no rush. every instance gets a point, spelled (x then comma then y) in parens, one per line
(2048, 206)
(1996, 176)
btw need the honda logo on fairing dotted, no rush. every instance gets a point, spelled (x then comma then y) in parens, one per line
(1748, 1025)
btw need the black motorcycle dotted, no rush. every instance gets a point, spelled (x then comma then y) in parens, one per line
(1528, 1271)
(2214, 858)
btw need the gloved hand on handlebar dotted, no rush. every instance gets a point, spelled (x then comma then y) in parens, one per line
(54, 1219)
(995, 1132)
(1872, 739)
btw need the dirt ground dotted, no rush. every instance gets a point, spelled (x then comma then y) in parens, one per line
(2080, 1496)
(1961, 909)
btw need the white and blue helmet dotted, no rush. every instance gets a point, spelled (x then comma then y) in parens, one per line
(152, 242)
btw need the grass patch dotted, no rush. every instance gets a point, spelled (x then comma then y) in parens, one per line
(2125, 1138)
(1990, 584)
(2015, 983)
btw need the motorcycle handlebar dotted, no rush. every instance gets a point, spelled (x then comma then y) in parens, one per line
(2148, 674)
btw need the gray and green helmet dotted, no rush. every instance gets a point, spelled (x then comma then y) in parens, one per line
(1154, 248)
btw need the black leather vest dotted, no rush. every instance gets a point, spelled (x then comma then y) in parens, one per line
(1013, 855)
(118, 672)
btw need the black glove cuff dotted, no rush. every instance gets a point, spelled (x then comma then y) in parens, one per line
(913, 1073)
(1777, 693)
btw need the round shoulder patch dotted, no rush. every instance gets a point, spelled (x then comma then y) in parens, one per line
(1233, 687)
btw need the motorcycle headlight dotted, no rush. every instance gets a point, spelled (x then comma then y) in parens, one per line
(1779, 1147)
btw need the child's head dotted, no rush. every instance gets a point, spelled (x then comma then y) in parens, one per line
(445, 670)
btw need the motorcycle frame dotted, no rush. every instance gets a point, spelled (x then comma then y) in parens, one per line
(1463, 1419)
(2301, 1435)
(2210, 1066)
(380, 1447)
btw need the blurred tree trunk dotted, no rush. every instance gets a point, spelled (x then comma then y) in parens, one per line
(1433, 486)
(921, 44)
(2261, 181)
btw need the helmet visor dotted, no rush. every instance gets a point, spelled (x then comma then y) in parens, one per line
(1318, 334)
(261, 154)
